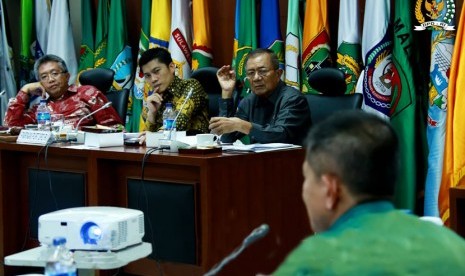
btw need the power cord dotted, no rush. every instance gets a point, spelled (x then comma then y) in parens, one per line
(142, 187)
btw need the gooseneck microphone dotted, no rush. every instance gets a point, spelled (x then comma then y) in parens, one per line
(105, 106)
(256, 235)
(189, 94)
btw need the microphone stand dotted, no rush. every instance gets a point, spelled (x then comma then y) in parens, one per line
(256, 234)
(105, 106)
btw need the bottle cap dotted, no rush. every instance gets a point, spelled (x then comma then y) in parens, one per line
(59, 241)
(169, 105)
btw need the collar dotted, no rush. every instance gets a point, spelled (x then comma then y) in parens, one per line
(372, 207)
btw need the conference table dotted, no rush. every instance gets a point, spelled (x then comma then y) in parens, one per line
(198, 207)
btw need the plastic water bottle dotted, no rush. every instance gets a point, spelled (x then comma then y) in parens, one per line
(169, 126)
(43, 116)
(61, 262)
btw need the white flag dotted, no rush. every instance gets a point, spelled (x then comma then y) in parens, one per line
(377, 57)
(42, 20)
(60, 39)
(180, 45)
(293, 42)
(7, 78)
(349, 58)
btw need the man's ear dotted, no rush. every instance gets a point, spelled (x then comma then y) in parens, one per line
(333, 190)
(172, 67)
(280, 72)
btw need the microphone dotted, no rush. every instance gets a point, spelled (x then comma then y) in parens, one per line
(189, 94)
(105, 106)
(256, 235)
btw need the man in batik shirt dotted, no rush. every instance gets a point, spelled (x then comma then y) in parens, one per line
(71, 101)
(159, 71)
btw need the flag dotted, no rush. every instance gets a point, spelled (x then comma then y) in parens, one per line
(136, 121)
(349, 53)
(453, 170)
(101, 33)
(270, 29)
(442, 47)
(315, 43)
(403, 103)
(118, 54)
(60, 39)
(245, 38)
(293, 45)
(181, 38)
(26, 61)
(42, 20)
(375, 81)
(201, 49)
(86, 59)
(7, 78)
(160, 26)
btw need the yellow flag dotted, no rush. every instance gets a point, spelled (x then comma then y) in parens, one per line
(453, 170)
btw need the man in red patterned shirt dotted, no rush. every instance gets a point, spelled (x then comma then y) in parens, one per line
(71, 101)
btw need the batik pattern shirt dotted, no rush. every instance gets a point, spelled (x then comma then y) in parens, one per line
(76, 103)
(194, 115)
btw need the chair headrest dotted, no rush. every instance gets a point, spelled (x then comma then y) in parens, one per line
(329, 81)
(102, 78)
(207, 78)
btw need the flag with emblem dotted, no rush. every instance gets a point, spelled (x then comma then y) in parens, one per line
(160, 26)
(60, 38)
(101, 33)
(119, 55)
(136, 121)
(245, 39)
(26, 60)
(453, 170)
(42, 20)
(315, 42)
(442, 47)
(293, 48)
(349, 53)
(86, 55)
(7, 79)
(201, 50)
(376, 80)
(270, 29)
(180, 45)
(403, 103)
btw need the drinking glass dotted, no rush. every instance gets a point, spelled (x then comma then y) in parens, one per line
(57, 121)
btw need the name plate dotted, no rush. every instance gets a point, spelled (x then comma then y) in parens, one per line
(36, 137)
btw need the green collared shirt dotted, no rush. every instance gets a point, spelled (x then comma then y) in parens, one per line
(194, 115)
(374, 239)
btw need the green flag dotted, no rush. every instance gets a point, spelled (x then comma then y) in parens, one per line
(101, 33)
(119, 56)
(26, 60)
(245, 39)
(137, 91)
(86, 59)
(403, 104)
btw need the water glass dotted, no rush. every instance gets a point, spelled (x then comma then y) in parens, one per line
(57, 121)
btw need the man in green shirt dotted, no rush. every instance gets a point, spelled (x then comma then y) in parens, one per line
(350, 173)
(159, 72)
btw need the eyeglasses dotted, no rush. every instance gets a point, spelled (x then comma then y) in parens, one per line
(262, 72)
(52, 75)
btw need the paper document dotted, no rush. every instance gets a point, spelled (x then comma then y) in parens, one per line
(259, 147)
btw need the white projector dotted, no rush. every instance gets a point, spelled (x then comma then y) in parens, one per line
(93, 228)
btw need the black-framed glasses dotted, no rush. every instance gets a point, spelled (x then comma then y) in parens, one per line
(262, 72)
(53, 75)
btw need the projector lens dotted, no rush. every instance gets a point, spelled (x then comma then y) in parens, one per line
(91, 233)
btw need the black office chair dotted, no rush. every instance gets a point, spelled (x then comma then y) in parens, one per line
(330, 82)
(102, 79)
(207, 78)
